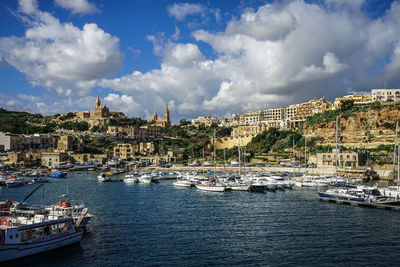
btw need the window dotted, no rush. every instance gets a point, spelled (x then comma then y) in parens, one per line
(11, 236)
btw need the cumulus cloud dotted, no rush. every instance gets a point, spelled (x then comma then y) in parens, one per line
(77, 6)
(123, 103)
(279, 54)
(10, 103)
(181, 10)
(30, 98)
(60, 56)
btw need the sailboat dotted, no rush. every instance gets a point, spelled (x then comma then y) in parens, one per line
(212, 186)
(394, 191)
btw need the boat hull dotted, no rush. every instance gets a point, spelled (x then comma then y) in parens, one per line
(211, 188)
(16, 251)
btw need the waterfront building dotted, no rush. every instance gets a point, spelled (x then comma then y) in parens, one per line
(385, 95)
(165, 122)
(347, 159)
(53, 159)
(124, 151)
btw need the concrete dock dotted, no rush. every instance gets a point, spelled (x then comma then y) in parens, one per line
(362, 204)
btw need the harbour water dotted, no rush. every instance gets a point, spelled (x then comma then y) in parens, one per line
(159, 225)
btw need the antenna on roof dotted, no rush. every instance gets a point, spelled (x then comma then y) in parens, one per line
(385, 84)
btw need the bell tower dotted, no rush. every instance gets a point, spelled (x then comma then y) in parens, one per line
(166, 119)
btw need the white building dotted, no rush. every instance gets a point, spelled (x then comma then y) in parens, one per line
(385, 95)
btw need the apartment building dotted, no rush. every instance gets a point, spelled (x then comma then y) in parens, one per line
(385, 95)
(135, 132)
(124, 151)
(357, 100)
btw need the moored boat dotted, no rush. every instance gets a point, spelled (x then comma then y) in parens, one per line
(183, 183)
(26, 235)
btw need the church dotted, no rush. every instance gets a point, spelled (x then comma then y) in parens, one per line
(165, 122)
(100, 115)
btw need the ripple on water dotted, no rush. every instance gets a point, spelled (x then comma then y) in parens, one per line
(151, 225)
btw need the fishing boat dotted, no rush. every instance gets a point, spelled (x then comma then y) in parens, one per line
(14, 182)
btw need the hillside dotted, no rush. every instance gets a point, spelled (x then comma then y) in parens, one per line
(366, 127)
(24, 122)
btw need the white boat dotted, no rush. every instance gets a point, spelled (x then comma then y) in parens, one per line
(239, 187)
(75, 209)
(211, 186)
(36, 180)
(26, 235)
(131, 180)
(183, 183)
(14, 182)
(145, 179)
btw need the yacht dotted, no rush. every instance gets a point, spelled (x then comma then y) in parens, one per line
(131, 178)
(183, 183)
(211, 186)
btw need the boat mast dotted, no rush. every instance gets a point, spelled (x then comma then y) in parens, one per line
(240, 166)
(394, 151)
(294, 160)
(336, 133)
(305, 152)
(224, 163)
(215, 159)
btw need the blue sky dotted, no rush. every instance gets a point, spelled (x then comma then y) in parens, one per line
(199, 57)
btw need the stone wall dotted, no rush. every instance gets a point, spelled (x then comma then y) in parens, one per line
(230, 142)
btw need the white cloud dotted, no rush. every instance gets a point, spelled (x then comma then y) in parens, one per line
(279, 54)
(10, 103)
(28, 6)
(180, 11)
(183, 55)
(77, 6)
(60, 56)
(30, 98)
(123, 103)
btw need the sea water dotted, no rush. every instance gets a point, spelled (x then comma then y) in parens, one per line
(161, 225)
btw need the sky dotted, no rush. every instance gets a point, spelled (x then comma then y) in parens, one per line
(201, 58)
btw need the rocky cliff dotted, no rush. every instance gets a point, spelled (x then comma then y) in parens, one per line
(362, 128)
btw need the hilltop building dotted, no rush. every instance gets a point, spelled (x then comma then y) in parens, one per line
(99, 115)
(204, 120)
(385, 95)
(165, 122)
(357, 100)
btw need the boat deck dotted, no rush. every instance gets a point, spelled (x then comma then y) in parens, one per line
(362, 204)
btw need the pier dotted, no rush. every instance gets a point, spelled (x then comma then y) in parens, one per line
(362, 204)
